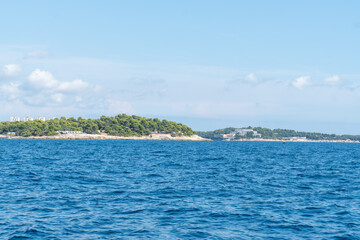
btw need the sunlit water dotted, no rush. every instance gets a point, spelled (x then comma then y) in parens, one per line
(69, 189)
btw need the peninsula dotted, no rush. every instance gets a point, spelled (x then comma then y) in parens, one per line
(266, 134)
(120, 127)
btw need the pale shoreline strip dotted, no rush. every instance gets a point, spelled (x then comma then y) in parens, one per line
(161, 137)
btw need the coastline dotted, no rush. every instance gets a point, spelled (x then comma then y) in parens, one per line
(154, 137)
(163, 137)
(286, 141)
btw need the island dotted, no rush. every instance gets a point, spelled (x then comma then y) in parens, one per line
(121, 126)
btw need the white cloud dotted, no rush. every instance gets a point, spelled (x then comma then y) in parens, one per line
(57, 97)
(11, 90)
(42, 79)
(251, 78)
(11, 70)
(45, 90)
(37, 54)
(77, 85)
(301, 82)
(333, 80)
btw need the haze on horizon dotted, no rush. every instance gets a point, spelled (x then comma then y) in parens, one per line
(207, 64)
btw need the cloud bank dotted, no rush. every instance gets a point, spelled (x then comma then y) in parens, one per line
(37, 54)
(332, 81)
(41, 88)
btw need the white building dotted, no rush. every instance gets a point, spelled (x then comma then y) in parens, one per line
(298, 139)
(28, 119)
(69, 132)
(240, 132)
(245, 131)
(15, 119)
(40, 118)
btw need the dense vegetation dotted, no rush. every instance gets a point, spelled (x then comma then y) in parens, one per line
(215, 134)
(120, 125)
(286, 133)
(280, 134)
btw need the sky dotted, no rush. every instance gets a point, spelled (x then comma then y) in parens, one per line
(207, 64)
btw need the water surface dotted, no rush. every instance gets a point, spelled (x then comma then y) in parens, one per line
(78, 189)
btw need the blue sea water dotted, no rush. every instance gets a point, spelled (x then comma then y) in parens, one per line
(78, 189)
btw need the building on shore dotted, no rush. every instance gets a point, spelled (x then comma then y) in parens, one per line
(239, 133)
(28, 119)
(297, 139)
(15, 119)
(69, 132)
(246, 132)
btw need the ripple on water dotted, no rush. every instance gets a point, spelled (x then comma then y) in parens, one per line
(178, 190)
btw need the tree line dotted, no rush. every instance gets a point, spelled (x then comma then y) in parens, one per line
(278, 133)
(286, 133)
(120, 125)
(215, 134)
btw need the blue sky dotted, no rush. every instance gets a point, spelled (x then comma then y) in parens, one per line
(209, 64)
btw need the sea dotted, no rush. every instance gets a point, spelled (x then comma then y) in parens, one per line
(88, 189)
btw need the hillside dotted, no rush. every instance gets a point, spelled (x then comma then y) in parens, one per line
(232, 133)
(120, 125)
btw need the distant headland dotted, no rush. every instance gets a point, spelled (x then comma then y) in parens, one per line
(266, 134)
